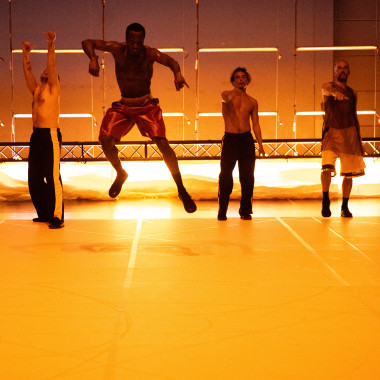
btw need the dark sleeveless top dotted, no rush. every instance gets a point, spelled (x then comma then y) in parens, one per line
(340, 114)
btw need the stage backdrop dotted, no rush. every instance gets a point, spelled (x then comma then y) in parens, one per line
(286, 81)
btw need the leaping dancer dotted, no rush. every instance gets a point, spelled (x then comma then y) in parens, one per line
(134, 69)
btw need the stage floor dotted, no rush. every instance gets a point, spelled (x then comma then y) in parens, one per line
(141, 290)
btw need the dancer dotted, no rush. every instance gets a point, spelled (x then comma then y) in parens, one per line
(238, 109)
(44, 179)
(134, 69)
(340, 137)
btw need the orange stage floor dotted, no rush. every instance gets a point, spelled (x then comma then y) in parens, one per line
(141, 290)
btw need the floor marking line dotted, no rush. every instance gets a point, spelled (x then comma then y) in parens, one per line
(133, 254)
(313, 252)
(346, 241)
(121, 326)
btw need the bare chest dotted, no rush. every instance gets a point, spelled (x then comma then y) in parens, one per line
(242, 105)
(133, 68)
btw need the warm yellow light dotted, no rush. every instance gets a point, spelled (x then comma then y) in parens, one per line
(75, 115)
(310, 113)
(75, 51)
(135, 212)
(217, 50)
(67, 115)
(63, 115)
(333, 48)
(172, 50)
(210, 114)
(172, 114)
(80, 51)
(366, 112)
(320, 113)
(219, 114)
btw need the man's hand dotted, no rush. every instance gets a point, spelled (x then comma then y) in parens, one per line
(261, 151)
(27, 47)
(180, 81)
(94, 67)
(50, 36)
(339, 96)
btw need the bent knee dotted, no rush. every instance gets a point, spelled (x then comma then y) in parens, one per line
(162, 144)
(107, 140)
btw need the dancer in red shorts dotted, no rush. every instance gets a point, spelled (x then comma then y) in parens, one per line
(134, 69)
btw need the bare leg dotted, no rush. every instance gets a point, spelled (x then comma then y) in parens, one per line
(346, 190)
(112, 154)
(326, 181)
(346, 187)
(172, 163)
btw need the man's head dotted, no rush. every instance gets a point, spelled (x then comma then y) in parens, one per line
(240, 77)
(134, 37)
(341, 70)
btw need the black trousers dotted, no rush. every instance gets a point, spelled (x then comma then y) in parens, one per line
(44, 179)
(240, 148)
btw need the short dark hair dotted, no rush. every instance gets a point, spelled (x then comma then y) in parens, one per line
(135, 27)
(242, 69)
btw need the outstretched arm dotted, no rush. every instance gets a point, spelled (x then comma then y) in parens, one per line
(329, 90)
(166, 60)
(51, 65)
(30, 80)
(89, 47)
(256, 128)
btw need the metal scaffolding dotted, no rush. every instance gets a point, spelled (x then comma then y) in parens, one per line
(185, 150)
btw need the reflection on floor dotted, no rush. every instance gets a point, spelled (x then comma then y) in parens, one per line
(142, 290)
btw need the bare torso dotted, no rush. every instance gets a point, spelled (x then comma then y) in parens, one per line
(133, 73)
(237, 110)
(45, 107)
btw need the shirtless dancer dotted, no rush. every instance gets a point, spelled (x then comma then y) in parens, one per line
(238, 109)
(340, 137)
(45, 185)
(134, 69)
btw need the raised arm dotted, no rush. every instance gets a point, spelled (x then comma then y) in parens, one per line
(89, 47)
(51, 65)
(227, 96)
(168, 61)
(30, 80)
(256, 128)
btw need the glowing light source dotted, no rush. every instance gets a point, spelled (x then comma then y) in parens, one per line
(320, 113)
(40, 51)
(219, 114)
(172, 114)
(172, 50)
(217, 50)
(333, 48)
(80, 51)
(29, 115)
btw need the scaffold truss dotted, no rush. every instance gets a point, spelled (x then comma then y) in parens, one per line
(185, 150)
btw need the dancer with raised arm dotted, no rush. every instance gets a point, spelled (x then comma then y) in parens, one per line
(340, 137)
(239, 111)
(134, 69)
(44, 179)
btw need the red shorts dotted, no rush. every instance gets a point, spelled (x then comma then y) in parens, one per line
(120, 118)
